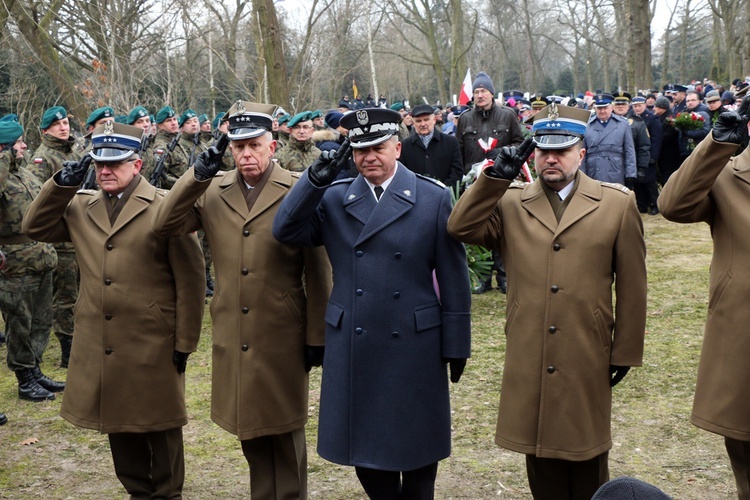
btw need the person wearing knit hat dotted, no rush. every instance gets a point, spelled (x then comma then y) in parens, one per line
(26, 280)
(300, 151)
(497, 126)
(727, 98)
(264, 347)
(127, 369)
(58, 146)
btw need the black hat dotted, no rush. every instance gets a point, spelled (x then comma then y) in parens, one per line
(115, 142)
(422, 109)
(249, 119)
(622, 97)
(371, 126)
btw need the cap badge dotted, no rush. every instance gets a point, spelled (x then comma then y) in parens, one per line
(407, 192)
(362, 117)
(240, 106)
(109, 128)
(59, 115)
(553, 113)
(352, 196)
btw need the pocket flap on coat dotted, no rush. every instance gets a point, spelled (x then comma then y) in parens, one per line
(334, 313)
(428, 317)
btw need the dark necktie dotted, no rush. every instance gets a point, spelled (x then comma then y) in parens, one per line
(378, 192)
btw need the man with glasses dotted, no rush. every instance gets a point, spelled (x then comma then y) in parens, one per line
(127, 370)
(300, 151)
(689, 139)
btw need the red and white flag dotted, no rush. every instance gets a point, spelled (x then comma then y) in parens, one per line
(466, 94)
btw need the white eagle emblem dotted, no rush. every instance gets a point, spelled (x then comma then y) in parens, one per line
(362, 117)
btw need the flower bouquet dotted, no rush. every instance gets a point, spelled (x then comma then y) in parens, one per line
(688, 120)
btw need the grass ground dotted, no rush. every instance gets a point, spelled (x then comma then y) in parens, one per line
(653, 438)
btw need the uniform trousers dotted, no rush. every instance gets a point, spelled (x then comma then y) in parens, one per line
(739, 457)
(556, 479)
(278, 466)
(646, 195)
(418, 484)
(150, 465)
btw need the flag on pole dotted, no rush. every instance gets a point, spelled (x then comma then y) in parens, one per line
(466, 94)
(355, 92)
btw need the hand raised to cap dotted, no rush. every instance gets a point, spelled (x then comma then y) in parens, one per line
(208, 163)
(328, 165)
(731, 126)
(510, 159)
(73, 172)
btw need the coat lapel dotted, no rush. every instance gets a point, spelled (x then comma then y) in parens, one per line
(396, 201)
(535, 202)
(232, 194)
(358, 200)
(585, 200)
(741, 166)
(276, 187)
(138, 202)
(97, 211)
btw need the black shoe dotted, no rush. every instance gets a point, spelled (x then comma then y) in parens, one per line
(2, 341)
(209, 281)
(29, 389)
(3, 419)
(46, 382)
(653, 211)
(66, 342)
(481, 288)
(503, 286)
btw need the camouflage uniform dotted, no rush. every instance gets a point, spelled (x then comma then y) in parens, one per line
(176, 162)
(297, 156)
(26, 278)
(47, 160)
(281, 139)
(147, 159)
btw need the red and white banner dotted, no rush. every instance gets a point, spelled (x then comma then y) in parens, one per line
(466, 93)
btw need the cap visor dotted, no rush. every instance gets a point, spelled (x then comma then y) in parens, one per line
(111, 154)
(555, 141)
(365, 142)
(245, 133)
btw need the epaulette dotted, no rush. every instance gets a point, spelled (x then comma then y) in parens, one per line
(431, 179)
(518, 185)
(162, 192)
(296, 175)
(344, 181)
(90, 192)
(615, 185)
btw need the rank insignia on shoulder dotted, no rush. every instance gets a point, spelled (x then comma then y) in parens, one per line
(38, 160)
(617, 186)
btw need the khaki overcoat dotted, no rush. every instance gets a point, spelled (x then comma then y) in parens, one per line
(141, 298)
(562, 333)
(269, 301)
(713, 187)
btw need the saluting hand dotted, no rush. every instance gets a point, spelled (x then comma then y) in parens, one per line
(328, 165)
(208, 163)
(731, 126)
(510, 159)
(73, 172)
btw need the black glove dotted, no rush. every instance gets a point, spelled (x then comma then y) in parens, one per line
(314, 356)
(630, 183)
(73, 172)
(731, 126)
(492, 154)
(641, 175)
(328, 165)
(208, 162)
(510, 159)
(617, 373)
(457, 367)
(180, 360)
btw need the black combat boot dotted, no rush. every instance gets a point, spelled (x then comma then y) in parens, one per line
(209, 284)
(29, 389)
(66, 342)
(3, 419)
(46, 382)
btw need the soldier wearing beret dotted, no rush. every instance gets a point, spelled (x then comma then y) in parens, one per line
(57, 147)
(281, 135)
(391, 329)
(139, 117)
(176, 161)
(268, 311)
(317, 119)
(26, 273)
(300, 151)
(220, 126)
(140, 311)
(205, 131)
(566, 239)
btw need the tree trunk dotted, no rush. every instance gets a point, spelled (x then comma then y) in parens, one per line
(272, 52)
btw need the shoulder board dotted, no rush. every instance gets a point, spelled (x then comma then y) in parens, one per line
(615, 185)
(162, 192)
(434, 181)
(518, 185)
(344, 181)
(297, 174)
(90, 192)
(38, 160)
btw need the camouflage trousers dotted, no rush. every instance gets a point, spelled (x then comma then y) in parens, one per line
(26, 302)
(65, 289)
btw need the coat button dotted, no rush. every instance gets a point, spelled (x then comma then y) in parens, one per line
(108, 282)
(398, 255)
(108, 317)
(107, 351)
(556, 247)
(110, 246)
(359, 292)
(394, 335)
(550, 369)
(245, 271)
(245, 310)
(554, 288)
(245, 233)
(360, 253)
(396, 295)
(552, 329)
(359, 331)
(244, 347)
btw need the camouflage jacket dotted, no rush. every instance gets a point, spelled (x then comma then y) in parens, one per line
(175, 163)
(48, 159)
(297, 156)
(18, 187)
(192, 148)
(281, 139)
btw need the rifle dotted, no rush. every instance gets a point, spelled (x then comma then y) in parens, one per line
(145, 143)
(196, 141)
(158, 173)
(89, 182)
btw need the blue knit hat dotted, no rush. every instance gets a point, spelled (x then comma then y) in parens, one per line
(483, 81)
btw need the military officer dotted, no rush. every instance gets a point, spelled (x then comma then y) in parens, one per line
(127, 367)
(26, 273)
(175, 161)
(641, 143)
(390, 330)
(565, 348)
(268, 311)
(300, 151)
(57, 147)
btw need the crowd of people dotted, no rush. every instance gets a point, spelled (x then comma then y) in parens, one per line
(276, 204)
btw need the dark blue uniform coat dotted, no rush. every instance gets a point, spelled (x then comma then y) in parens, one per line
(384, 398)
